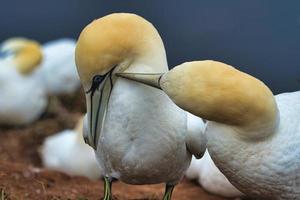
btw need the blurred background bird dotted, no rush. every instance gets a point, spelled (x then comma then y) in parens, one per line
(58, 72)
(30, 73)
(66, 152)
(23, 54)
(22, 100)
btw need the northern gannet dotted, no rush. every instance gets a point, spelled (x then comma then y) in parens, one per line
(22, 100)
(67, 152)
(139, 135)
(253, 137)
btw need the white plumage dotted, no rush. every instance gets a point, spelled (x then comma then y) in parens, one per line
(67, 152)
(145, 140)
(26, 82)
(210, 178)
(58, 72)
(22, 100)
(204, 169)
(268, 167)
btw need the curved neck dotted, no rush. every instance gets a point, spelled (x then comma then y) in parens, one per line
(220, 93)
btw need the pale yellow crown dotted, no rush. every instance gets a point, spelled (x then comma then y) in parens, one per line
(27, 53)
(111, 40)
(218, 92)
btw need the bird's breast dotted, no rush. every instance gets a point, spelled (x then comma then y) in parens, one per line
(143, 129)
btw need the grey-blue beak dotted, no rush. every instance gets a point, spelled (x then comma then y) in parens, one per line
(97, 98)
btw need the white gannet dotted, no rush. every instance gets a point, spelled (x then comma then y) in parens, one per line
(58, 72)
(22, 100)
(139, 135)
(253, 137)
(67, 152)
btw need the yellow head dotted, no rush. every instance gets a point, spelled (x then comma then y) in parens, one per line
(217, 92)
(27, 54)
(115, 42)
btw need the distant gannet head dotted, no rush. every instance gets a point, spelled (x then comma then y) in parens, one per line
(114, 43)
(25, 54)
(217, 92)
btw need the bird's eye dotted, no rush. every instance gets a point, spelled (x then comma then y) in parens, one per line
(98, 78)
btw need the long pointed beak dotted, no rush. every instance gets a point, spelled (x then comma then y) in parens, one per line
(97, 99)
(151, 79)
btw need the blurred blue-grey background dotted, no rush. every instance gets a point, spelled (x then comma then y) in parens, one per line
(260, 37)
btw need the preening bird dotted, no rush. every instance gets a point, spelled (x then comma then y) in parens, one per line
(139, 135)
(67, 152)
(253, 137)
(22, 99)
